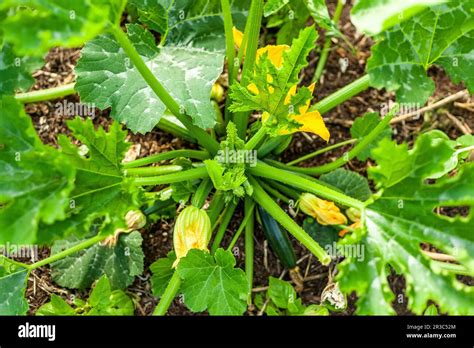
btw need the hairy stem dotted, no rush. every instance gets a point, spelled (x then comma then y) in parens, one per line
(153, 171)
(252, 28)
(190, 174)
(327, 43)
(203, 190)
(263, 199)
(249, 245)
(229, 37)
(202, 136)
(169, 295)
(196, 154)
(361, 145)
(247, 215)
(61, 255)
(343, 94)
(295, 180)
(256, 139)
(223, 226)
(321, 151)
(46, 94)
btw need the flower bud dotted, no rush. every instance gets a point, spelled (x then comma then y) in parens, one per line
(217, 92)
(325, 212)
(135, 220)
(353, 214)
(192, 230)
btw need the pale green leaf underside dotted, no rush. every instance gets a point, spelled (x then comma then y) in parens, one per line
(374, 16)
(107, 78)
(12, 293)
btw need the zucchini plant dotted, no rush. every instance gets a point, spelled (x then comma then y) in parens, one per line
(157, 66)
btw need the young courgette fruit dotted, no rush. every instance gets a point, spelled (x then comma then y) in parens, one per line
(278, 239)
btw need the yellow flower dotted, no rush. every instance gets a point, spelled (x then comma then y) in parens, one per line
(325, 212)
(312, 121)
(192, 230)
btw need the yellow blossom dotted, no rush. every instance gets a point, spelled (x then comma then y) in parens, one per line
(325, 212)
(192, 230)
(351, 227)
(310, 121)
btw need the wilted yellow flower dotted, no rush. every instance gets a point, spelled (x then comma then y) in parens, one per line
(135, 220)
(311, 122)
(192, 230)
(353, 226)
(325, 212)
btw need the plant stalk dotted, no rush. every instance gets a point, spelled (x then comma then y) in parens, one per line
(292, 179)
(46, 94)
(190, 174)
(153, 171)
(321, 151)
(327, 43)
(263, 199)
(223, 226)
(169, 295)
(361, 145)
(196, 154)
(247, 215)
(249, 246)
(203, 190)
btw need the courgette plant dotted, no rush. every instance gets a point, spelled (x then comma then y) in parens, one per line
(85, 202)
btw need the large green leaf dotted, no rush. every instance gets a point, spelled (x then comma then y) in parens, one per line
(35, 26)
(15, 71)
(212, 283)
(12, 292)
(350, 183)
(121, 263)
(400, 61)
(374, 16)
(36, 179)
(403, 218)
(102, 196)
(193, 23)
(273, 6)
(107, 78)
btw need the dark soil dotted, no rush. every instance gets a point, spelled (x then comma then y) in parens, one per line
(49, 123)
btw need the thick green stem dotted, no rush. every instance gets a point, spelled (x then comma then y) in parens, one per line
(169, 295)
(361, 145)
(229, 37)
(321, 151)
(452, 267)
(223, 226)
(292, 179)
(249, 245)
(247, 215)
(274, 192)
(196, 154)
(263, 199)
(342, 95)
(174, 129)
(215, 207)
(256, 139)
(295, 195)
(61, 255)
(252, 28)
(327, 44)
(202, 137)
(191, 174)
(46, 94)
(153, 171)
(203, 190)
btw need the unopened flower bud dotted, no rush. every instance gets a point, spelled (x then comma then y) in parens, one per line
(217, 92)
(192, 230)
(325, 212)
(135, 220)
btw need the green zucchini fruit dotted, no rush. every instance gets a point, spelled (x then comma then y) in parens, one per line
(278, 239)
